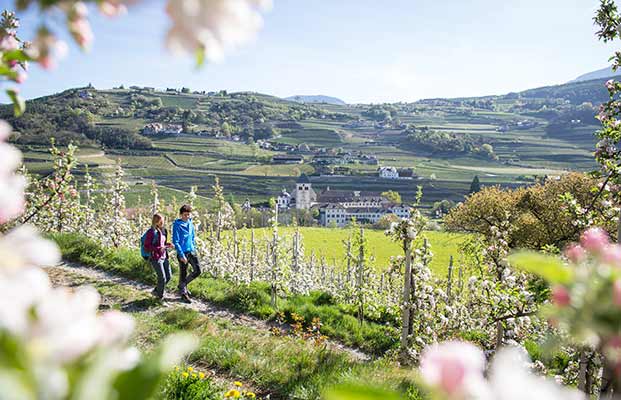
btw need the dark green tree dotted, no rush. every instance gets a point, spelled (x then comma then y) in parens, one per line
(475, 186)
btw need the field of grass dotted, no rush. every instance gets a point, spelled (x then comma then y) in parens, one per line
(330, 243)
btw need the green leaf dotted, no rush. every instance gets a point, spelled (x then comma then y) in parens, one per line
(548, 267)
(200, 57)
(360, 393)
(8, 72)
(19, 105)
(16, 55)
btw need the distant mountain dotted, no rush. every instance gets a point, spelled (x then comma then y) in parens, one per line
(599, 74)
(316, 99)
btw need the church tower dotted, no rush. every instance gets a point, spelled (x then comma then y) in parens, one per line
(304, 194)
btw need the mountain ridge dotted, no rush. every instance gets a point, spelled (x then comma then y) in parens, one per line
(316, 99)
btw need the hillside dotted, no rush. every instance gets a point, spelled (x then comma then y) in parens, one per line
(599, 74)
(316, 99)
(192, 137)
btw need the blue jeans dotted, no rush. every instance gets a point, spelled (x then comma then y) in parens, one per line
(162, 270)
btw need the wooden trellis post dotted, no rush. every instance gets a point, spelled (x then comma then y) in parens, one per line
(449, 280)
(360, 278)
(253, 255)
(407, 290)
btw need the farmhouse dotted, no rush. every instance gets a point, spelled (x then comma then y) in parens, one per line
(287, 159)
(388, 172)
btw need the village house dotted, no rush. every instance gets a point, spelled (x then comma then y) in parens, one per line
(388, 173)
(284, 200)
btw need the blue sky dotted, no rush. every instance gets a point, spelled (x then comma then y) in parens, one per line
(358, 50)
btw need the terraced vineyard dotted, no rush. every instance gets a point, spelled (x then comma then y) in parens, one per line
(247, 171)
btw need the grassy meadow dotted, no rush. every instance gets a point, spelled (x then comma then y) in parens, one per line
(330, 243)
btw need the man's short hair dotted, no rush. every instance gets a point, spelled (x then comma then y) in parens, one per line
(185, 208)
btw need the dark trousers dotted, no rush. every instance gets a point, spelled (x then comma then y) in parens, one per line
(184, 279)
(162, 270)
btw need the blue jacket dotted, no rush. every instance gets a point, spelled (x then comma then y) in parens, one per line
(183, 236)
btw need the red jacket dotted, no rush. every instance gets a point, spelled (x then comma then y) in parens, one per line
(155, 245)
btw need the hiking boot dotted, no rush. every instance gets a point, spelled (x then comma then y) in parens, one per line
(185, 297)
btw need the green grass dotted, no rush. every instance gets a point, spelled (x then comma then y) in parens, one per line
(284, 366)
(338, 320)
(329, 243)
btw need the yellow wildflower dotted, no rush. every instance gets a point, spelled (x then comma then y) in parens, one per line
(201, 375)
(232, 393)
(190, 369)
(251, 395)
(177, 369)
(185, 374)
(194, 375)
(238, 383)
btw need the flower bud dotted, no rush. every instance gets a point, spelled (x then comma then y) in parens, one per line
(575, 253)
(560, 296)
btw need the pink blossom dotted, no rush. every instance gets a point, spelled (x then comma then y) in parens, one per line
(116, 327)
(8, 43)
(560, 296)
(5, 130)
(594, 240)
(610, 84)
(21, 77)
(112, 8)
(612, 350)
(81, 31)
(575, 253)
(612, 255)
(213, 25)
(12, 200)
(452, 366)
(47, 62)
(11, 159)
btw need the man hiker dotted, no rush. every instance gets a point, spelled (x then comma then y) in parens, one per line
(184, 239)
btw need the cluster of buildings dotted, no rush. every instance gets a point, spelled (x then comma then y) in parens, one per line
(395, 173)
(156, 128)
(339, 207)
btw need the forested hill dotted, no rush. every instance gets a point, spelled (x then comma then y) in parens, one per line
(114, 118)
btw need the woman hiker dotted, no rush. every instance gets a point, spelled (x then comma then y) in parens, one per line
(155, 244)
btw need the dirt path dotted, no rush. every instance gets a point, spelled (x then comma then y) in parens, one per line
(132, 301)
(74, 270)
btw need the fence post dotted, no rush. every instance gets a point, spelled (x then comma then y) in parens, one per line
(449, 280)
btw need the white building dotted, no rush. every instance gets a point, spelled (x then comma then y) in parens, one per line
(337, 214)
(283, 200)
(388, 173)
